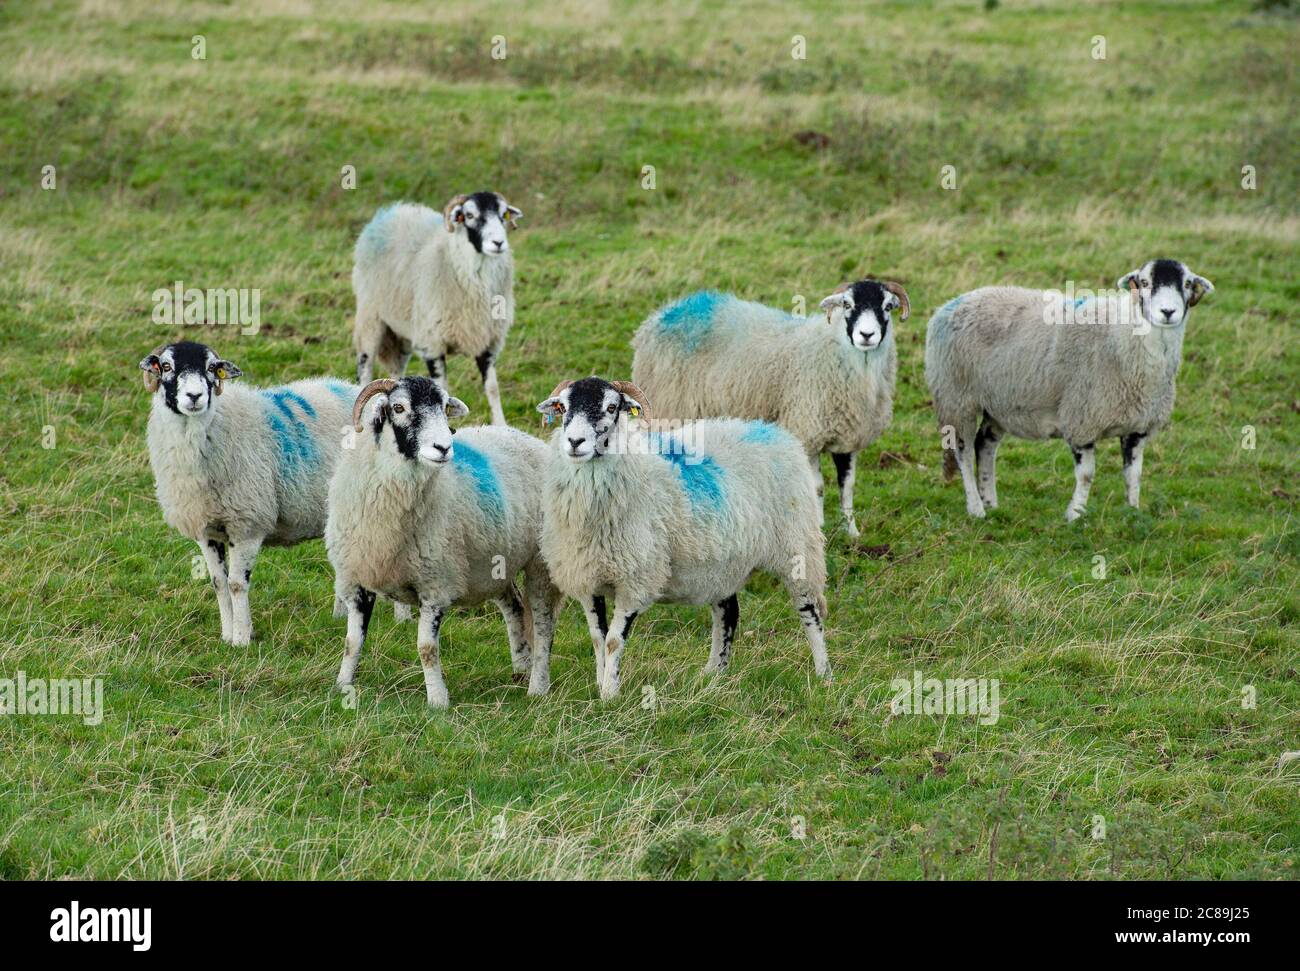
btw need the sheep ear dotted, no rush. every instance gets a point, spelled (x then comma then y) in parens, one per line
(225, 369)
(152, 368)
(1128, 279)
(1200, 287)
(512, 213)
(552, 408)
(456, 408)
(840, 298)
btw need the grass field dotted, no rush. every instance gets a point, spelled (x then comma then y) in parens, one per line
(1143, 713)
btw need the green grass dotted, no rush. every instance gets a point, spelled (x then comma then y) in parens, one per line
(1121, 697)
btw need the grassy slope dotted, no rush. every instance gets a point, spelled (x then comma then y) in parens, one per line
(1120, 697)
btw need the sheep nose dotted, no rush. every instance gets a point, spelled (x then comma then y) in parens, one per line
(441, 449)
(575, 442)
(194, 396)
(1168, 314)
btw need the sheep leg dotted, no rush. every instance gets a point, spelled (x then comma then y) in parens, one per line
(845, 463)
(512, 611)
(1132, 446)
(814, 629)
(620, 626)
(239, 574)
(815, 460)
(401, 612)
(966, 462)
(986, 454)
(215, 555)
(1085, 464)
(437, 365)
(360, 605)
(487, 367)
(435, 688)
(594, 608)
(726, 615)
(545, 601)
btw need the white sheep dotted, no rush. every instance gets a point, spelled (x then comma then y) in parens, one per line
(711, 355)
(686, 516)
(1035, 364)
(237, 468)
(435, 523)
(438, 284)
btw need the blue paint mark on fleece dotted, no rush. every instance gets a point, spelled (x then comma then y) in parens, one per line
(765, 433)
(298, 449)
(701, 476)
(376, 236)
(469, 460)
(342, 390)
(690, 319)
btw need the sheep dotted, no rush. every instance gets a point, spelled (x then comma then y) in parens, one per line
(238, 468)
(435, 292)
(644, 515)
(434, 523)
(712, 355)
(1030, 363)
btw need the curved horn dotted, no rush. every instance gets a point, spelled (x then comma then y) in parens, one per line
(446, 211)
(151, 380)
(558, 388)
(635, 393)
(901, 294)
(382, 386)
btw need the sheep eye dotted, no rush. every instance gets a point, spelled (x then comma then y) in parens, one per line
(398, 409)
(1145, 284)
(611, 409)
(166, 367)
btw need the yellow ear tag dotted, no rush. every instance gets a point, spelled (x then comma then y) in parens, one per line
(221, 374)
(634, 411)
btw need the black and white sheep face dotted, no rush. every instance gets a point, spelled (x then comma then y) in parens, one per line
(590, 411)
(485, 216)
(1166, 291)
(188, 375)
(863, 311)
(416, 412)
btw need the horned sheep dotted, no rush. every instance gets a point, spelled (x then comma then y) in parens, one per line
(639, 515)
(433, 523)
(712, 355)
(437, 284)
(238, 468)
(1031, 363)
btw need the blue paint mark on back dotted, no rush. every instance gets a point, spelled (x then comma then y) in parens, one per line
(377, 235)
(943, 313)
(690, 319)
(470, 461)
(765, 433)
(342, 390)
(285, 417)
(701, 476)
